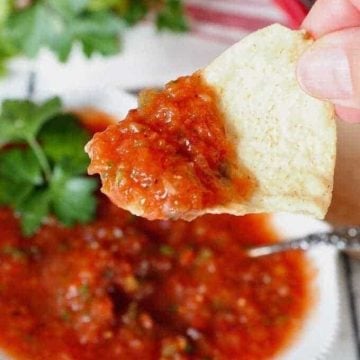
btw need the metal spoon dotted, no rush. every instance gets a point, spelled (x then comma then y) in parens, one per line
(344, 239)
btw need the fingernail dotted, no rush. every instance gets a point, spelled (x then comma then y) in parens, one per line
(324, 72)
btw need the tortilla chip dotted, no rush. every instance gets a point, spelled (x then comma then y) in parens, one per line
(284, 137)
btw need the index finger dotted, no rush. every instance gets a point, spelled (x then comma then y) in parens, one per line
(331, 15)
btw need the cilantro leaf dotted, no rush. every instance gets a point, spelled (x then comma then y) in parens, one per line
(135, 11)
(33, 211)
(98, 32)
(20, 172)
(21, 119)
(63, 141)
(68, 8)
(72, 197)
(29, 28)
(96, 5)
(26, 27)
(7, 50)
(5, 7)
(58, 24)
(41, 172)
(13, 193)
(20, 165)
(6, 47)
(172, 17)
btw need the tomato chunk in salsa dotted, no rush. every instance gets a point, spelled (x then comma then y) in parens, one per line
(170, 158)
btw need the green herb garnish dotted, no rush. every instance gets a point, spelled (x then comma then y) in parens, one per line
(28, 26)
(167, 250)
(172, 17)
(43, 163)
(15, 252)
(65, 316)
(204, 255)
(84, 291)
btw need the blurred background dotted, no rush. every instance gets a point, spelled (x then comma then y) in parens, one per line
(128, 44)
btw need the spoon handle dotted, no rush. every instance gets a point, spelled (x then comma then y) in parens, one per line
(344, 239)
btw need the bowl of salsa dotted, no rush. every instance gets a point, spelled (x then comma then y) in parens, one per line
(122, 287)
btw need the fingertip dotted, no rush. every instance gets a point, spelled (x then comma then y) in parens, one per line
(324, 72)
(331, 15)
(349, 115)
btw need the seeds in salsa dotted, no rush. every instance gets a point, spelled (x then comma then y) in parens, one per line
(170, 158)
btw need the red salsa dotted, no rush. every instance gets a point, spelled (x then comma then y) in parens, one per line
(170, 158)
(126, 288)
(123, 287)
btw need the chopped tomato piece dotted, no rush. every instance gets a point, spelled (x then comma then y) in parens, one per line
(170, 158)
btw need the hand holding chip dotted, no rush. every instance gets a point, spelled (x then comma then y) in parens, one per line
(330, 69)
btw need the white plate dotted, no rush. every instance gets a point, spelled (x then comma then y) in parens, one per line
(319, 329)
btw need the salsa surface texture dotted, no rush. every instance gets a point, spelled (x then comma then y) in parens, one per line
(170, 158)
(126, 288)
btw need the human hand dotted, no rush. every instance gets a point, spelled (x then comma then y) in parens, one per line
(330, 69)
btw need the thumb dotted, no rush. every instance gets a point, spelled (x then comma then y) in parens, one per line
(330, 69)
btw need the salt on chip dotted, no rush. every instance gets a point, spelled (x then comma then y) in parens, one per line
(285, 138)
